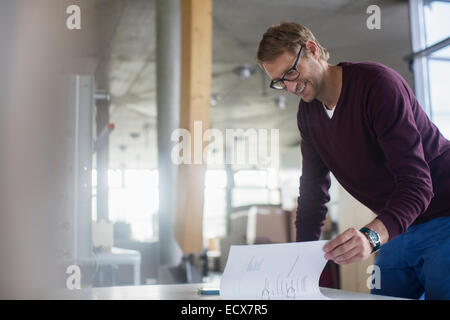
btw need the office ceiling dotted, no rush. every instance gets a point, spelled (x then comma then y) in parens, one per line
(126, 65)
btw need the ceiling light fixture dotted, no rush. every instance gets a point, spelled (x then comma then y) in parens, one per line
(122, 147)
(214, 99)
(135, 135)
(280, 102)
(244, 71)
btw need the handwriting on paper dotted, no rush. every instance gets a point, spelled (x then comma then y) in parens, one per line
(275, 271)
(255, 264)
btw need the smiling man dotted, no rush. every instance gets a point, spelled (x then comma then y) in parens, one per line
(362, 122)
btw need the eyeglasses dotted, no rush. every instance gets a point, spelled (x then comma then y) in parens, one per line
(291, 75)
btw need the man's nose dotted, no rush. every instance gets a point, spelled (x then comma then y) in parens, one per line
(291, 86)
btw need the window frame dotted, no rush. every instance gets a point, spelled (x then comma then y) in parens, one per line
(422, 54)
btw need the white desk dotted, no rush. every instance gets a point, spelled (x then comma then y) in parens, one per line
(119, 256)
(186, 292)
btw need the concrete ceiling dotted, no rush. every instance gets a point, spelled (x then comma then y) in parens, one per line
(127, 64)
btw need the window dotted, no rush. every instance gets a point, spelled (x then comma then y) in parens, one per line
(436, 21)
(214, 218)
(250, 187)
(289, 183)
(256, 187)
(430, 30)
(133, 198)
(439, 71)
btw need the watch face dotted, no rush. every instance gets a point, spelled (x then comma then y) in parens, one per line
(374, 237)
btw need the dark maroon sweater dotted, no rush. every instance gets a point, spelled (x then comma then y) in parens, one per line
(381, 147)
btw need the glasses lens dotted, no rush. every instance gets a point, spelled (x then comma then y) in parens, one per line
(291, 75)
(279, 85)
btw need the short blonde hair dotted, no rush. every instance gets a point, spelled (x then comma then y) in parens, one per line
(286, 36)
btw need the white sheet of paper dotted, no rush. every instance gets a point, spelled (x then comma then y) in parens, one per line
(274, 271)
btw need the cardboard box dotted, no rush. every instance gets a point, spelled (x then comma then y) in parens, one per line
(267, 225)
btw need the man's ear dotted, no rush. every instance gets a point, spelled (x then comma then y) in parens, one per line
(313, 49)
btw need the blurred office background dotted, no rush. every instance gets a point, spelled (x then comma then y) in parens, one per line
(86, 123)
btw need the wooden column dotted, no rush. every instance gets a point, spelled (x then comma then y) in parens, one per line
(196, 60)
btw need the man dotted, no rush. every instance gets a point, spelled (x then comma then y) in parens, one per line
(362, 122)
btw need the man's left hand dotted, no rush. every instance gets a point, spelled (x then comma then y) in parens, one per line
(350, 246)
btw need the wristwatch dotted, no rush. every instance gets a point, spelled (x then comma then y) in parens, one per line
(374, 238)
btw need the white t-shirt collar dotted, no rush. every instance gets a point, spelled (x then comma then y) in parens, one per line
(329, 112)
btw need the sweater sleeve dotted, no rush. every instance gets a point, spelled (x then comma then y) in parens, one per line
(390, 112)
(314, 186)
